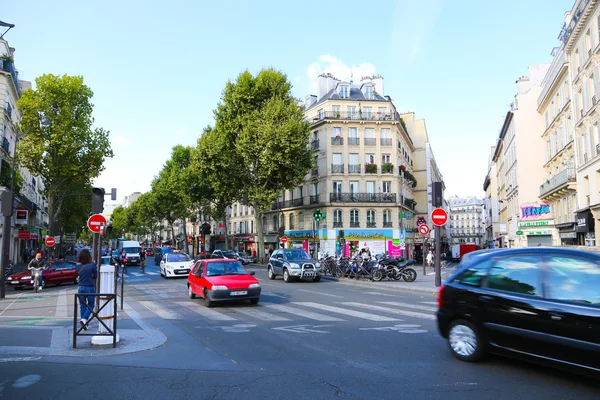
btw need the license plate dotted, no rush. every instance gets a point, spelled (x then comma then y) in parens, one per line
(15, 282)
(239, 293)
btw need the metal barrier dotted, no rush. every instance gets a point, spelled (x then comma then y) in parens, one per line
(95, 315)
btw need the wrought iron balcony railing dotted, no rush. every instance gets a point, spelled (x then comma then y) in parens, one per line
(337, 168)
(315, 144)
(354, 141)
(371, 225)
(354, 168)
(369, 141)
(388, 224)
(338, 224)
(338, 141)
(362, 197)
(359, 116)
(562, 178)
(386, 141)
(314, 199)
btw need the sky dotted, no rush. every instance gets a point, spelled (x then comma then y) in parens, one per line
(157, 69)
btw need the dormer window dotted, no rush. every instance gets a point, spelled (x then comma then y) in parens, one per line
(344, 92)
(369, 92)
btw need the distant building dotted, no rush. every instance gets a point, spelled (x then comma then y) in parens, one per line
(131, 198)
(467, 220)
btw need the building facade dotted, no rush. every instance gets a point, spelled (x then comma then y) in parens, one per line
(467, 216)
(491, 222)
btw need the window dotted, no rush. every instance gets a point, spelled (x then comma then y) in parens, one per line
(337, 159)
(354, 221)
(367, 112)
(386, 186)
(337, 132)
(315, 189)
(321, 114)
(337, 218)
(369, 92)
(351, 112)
(352, 133)
(335, 110)
(369, 133)
(353, 159)
(516, 274)
(337, 186)
(370, 218)
(573, 279)
(386, 158)
(387, 217)
(292, 222)
(301, 221)
(385, 133)
(344, 92)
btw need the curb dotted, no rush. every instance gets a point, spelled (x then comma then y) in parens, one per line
(417, 289)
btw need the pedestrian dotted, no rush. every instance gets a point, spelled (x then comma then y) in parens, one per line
(430, 259)
(87, 284)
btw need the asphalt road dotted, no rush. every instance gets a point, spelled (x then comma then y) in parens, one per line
(304, 340)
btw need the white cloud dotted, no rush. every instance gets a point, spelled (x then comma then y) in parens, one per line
(335, 66)
(121, 140)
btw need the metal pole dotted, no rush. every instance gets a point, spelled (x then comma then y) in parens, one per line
(424, 251)
(314, 238)
(438, 270)
(5, 253)
(122, 282)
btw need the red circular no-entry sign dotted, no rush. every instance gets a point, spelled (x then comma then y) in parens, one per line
(439, 217)
(284, 239)
(50, 241)
(95, 222)
(423, 229)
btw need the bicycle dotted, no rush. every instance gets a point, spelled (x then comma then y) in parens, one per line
(142, 265)
(38, 280)
(8, 271)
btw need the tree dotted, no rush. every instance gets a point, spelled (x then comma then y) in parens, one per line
(119, 221)
(61, 146)
(147, 213)
(266, 136)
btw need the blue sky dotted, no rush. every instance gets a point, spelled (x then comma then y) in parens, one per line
(157, 68)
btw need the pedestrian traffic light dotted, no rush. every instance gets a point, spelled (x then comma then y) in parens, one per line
(97, 200)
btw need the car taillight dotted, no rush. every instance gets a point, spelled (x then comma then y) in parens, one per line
(440, 297)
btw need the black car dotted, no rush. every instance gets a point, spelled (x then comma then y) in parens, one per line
(293, 264)
(539, 304)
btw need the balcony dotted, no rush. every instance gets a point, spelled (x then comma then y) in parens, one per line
(354, 141)
(8, 110)
(410, 203)
(337, 141)
(9, 67)
(558, 184)
(362, 197)
(385, 141)
(371, 224)
(314, 172)
(355, 116)
(369, 141)
(338, 224)
(354, 224)
(387, 168)
(354, 168)
(371, 168)
(314, 199)
(6, 145)
(337, 168)
(388, 224)
(314, 144)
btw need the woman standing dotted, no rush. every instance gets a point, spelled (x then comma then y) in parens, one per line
(87, 284)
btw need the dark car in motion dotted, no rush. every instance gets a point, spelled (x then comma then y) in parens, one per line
(293, 264)
(540, 304)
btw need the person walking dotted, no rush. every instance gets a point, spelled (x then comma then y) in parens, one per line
(430, 259)
(87, 284)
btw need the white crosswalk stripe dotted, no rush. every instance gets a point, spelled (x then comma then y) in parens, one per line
(300, 312)
(206, 312)
(352, 313)
(161, 311)
(407, 305)
(391, 310)
(137, 274)
(265, 316)
(153, 273)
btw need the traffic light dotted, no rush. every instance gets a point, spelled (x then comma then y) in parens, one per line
(436, 194)
(341, 233)
(97, 200)
(7, 203)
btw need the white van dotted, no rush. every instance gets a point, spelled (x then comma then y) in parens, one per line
(132, 251)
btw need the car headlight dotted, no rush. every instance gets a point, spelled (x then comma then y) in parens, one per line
(219, 288)
(294, 265)
(254, 286)
(9, 279)
(318, 265)
(26, 277)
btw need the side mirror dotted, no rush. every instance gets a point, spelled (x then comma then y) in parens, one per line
(252, 273)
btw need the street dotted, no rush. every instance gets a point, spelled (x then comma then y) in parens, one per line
(304, 340)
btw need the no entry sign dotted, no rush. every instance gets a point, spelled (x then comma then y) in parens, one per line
(50, 241)
(95, 222)
(284, 239)
(439, 217)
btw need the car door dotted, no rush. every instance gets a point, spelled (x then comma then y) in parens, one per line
(69, 273)
(201, 278)
(54, 273)
(278, 261)
(572, 285)
(163, 262)
(512, 302)
(193, 277)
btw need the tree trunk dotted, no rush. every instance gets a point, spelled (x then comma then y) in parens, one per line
(173, 238)
(226, 230)
(52, 214)
(260, 245)
(185, 238)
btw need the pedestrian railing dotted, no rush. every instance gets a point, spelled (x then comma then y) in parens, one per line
(109, 298)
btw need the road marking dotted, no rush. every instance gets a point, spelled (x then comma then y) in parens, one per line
(137, 274)
(415, 306)
(237, 328)
(382, 294)
(254, 313)
(322, 294)
(270, 294)
(161, 311)
(302, 313)
(153, 273)
(26, 381)
(62, 309)
(13, 302)
(400, 328)
(301, 328)
(352, 313)
(206, 312)
(391, 310)
(17, 359)
(430, 302)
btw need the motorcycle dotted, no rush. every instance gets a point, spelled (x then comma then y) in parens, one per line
(394, 268)
(38, 280)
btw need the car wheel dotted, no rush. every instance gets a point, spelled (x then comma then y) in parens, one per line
(191, 294)
(270, 273)
(286, 276)
(317, 278)
(465, 341)
(207, 301)
(17, 288)
(254, 301)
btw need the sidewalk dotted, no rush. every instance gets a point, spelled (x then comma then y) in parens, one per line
(42, 324)
(423, 283)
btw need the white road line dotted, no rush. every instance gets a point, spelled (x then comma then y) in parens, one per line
(302, 313)
(352, 313)
(62, 309)
(406, 305)
(161, 311)
(13, 302)
(137, 274)
(322, 294)
(206, 312)
(273, 295)
(391, 310)
(265, 316)
(430, 302)
(153, 273)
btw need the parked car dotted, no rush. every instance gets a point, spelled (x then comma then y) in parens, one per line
(175, 263)
(242, 258)
(149, 252)
(293, 264)
(222, 280)
(541, 304)
(57, 273)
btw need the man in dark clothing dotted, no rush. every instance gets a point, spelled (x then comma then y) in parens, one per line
(142, 260)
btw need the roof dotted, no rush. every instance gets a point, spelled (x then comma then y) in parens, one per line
(355, 94)
(465, 201)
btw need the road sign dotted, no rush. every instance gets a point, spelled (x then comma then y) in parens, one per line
(402, 245)
(95, 222)
(50, 241)
(439, 216)
(284, 239)
(423, 229)
(519, 233)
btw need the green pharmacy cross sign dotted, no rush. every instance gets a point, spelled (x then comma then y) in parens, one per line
(405, 215)
(519, 233)
(318, 215)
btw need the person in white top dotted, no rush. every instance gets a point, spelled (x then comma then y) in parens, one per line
(430, 259)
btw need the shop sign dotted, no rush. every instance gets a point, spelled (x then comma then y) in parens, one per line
(568, 235)
(21, 217)
(368, 235)
(300, 235)
(534, 212)
(24, 234)
(535, 233)
(537, 223)
(585, 222)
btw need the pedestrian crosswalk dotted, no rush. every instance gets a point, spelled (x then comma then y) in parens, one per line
(267, 311)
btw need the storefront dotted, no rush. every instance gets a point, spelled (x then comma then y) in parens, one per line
(536, 226)
(567, 234)
(303, 239)
(243, 244)
(586, 235)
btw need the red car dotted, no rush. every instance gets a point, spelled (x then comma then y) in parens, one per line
(219, 279)
(58, 272)
(149, 252)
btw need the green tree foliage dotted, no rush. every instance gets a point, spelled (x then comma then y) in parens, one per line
(262, 131)
(147, 215)
(119, 220)
(61, 146)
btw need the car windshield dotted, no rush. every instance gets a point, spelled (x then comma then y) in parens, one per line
(131, 249)
(296, 255)
(225, 268)
(177, 257)
(229, 254)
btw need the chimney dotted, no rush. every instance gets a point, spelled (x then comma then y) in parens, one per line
(378, 81)
(325, 84)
